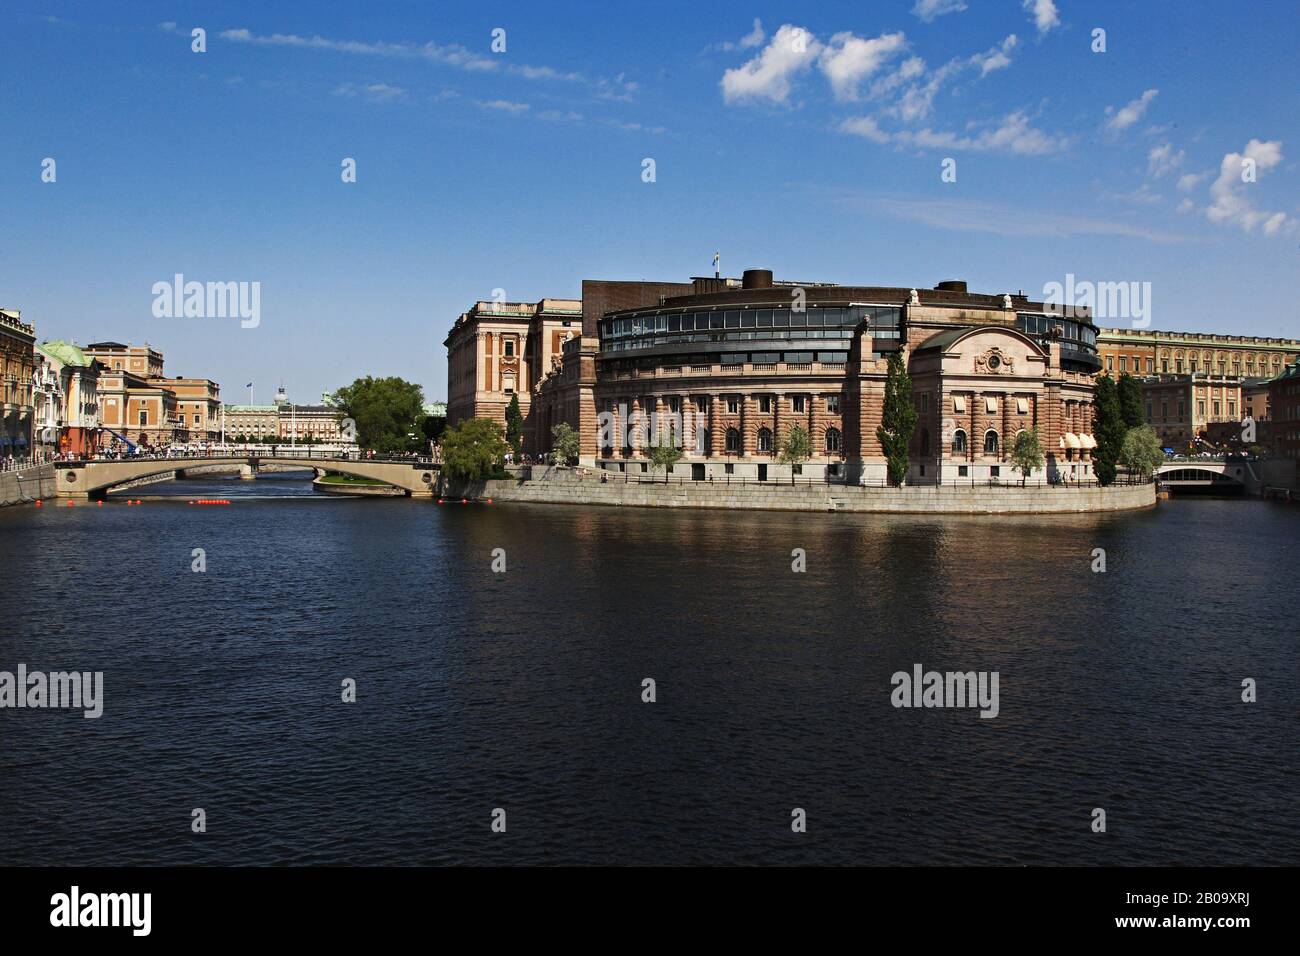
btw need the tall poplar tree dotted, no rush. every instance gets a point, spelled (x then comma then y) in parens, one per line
(1110, 430)
(898, 420)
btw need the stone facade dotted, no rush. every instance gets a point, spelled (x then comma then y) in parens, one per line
(733, 365)
(17, 369)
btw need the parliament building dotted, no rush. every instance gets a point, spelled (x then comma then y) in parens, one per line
(737, 363)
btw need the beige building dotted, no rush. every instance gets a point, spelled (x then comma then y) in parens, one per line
(497, 350)
(17, 368)
(284, 421)
(141, 361)
(1146, 352)
(67, 409)
(198, 405)
(138, 410)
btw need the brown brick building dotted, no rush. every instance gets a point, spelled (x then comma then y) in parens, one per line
(733, 365)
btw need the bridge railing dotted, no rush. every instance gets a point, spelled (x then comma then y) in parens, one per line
(252, 454)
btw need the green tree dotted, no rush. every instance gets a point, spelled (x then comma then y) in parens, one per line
(1140, 452)
(1130, 400)
(473, 450)
(664, 451)
(899, 419)
(567, 447)
(1110, 429)
(515, 425)
(1027, 453)
(796, 449)
(387, 412)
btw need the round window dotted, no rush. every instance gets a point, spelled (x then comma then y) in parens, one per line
(994, 362)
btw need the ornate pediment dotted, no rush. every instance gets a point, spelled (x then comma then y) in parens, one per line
(993, 361)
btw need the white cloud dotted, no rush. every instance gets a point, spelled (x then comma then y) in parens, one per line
(506, 106)
(379, 92)
(753, 38)
(928, 10)
(866, 127)
(1127, 115)
(996, 57)
(1230, 204)
(968, 215)
(1013, 134)
(849, 59)
(1188, 181)
(1044, 15)
(767, 76)
(1162, 160)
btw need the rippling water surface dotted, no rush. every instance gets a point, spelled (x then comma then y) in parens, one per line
(522, 690)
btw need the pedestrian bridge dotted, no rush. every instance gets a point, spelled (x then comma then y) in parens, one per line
(92, 478)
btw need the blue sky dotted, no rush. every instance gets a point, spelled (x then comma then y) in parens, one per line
(805, 139)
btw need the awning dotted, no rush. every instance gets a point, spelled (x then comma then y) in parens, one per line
(1072, 440)
(20, 440)
(1167, 451)
(1088, 441)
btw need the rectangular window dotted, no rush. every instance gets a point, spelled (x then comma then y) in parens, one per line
(995, 471)
(1110, 363)
(800, 403)
(510, 348)
(959, 403)
(733, 405)
(732, 320)
(715, 321)
(144, 417)
(990, 405)
(833, 404)
(747, 319)
(765, 403)
(925, 403)
(764, 317)
(1022, 406)
(961, 471)
(1123, 363)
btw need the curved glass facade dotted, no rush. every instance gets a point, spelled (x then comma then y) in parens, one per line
(1078, 339)
(654, 329)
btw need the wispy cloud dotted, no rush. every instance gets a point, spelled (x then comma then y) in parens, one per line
(969, 215)
(1129, 114)
(506, 106)
(1013, 134)
(928, 10)
(847, 60)
(753, 38)
(1162, 160)
(378, 92)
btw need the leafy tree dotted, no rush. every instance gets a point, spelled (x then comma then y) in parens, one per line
(796, 449)
(387, 412)
(665, 453)
(1027, 453)
(473, 450)
(515, 425)
(1130, 400)
(899, 419)
(567, 447)
(432, 427)
(1110, 429)
(1141, 452)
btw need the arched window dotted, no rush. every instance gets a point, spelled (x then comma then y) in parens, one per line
(733, 441)
(765, 439)
(959, 442)
(832, 440)
(990, 442)
(925, 441)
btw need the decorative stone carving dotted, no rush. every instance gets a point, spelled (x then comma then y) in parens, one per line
(1006, 301)
(994, 362)
(914, 298)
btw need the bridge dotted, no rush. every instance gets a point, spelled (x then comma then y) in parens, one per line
(92, 478)
(1212, 475)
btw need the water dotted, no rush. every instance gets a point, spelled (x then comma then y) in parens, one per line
(522, 690)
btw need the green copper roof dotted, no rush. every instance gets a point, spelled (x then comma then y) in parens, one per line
(64, 352)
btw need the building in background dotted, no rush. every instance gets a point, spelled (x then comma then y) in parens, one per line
(76, 421)
(142, 361)
(138, 410)
(741, 362)
(1284, 402)
(1145, 352)
(17, 368)
(284, 421)
(198, 405)
(497, 350)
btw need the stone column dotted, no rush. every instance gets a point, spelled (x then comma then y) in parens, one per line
(748, 432)
(715, 440)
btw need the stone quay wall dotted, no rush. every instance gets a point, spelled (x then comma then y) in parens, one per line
(567, 488)
(26, 486)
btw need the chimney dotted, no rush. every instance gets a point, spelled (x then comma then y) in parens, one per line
(756, 279)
